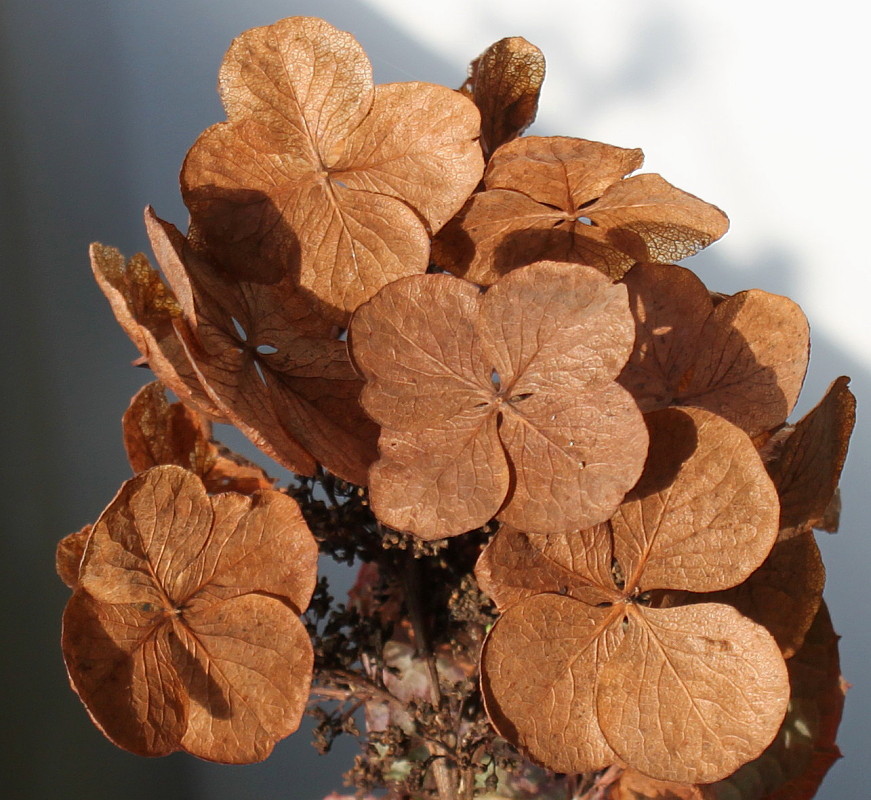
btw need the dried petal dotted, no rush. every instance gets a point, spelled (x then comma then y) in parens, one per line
(68, 556)
(783, 595)
(704, 514)
(566, 199)
(691, 693)
(511, 568)
(459, 382)
(807, 465)
(538, 672)
(148, 313)
(504, 82)
(744, 359)
(272, 366)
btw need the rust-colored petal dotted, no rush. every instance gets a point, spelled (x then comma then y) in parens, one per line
(560, 171)
(745, 362)
(119, 663)
(783, 595)
(417, 144)
(68, 556)
(807, 465)
(650, 220)
(555, 327)
(511, 568)
(704, 514)
(159, 432)
(691, 693)
(416, 345)
(316, 167)
(538, 678)
(440, 481)
(504, 82)
(148, 312)
(500, 230)
(246, 664)
(259, 543)
(573, 457)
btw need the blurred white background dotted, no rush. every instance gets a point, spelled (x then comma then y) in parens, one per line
(759, 107)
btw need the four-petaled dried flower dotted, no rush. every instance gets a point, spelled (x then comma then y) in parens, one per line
(648, 595)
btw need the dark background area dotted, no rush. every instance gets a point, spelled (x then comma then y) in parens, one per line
(101, 100)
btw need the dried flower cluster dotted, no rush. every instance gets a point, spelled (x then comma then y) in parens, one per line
(583, 521)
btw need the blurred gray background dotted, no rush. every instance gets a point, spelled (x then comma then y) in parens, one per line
(100, 101)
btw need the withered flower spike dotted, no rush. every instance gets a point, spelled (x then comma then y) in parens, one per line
(322, 177)
(499, 403)
(569, 200)
(685, 693)
(183, 632)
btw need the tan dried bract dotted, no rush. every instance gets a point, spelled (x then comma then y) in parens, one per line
(68, 556)
(795, 763)
(504, 82)
(805, 461)
(783, 595)
(595, 675)
(744, 359)
(159, 432)
(184, 632)
(321, 176)
(500, 403)
(275, 369)
(569, 200)
(149, 314)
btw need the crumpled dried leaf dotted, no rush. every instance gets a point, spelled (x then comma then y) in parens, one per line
(744, 359)
(685, 693)
(499, 404)
(562, 199)
(149, 313)
(183, 632)
(321, 176)
(504, 82)
(159, 432)
(807, 459)
(273, 367)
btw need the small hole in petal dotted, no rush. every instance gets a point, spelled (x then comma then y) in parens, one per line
(266, 349)
(240, 331)
(260, 372)
(585, 221)
(519, 398)
(494, 379)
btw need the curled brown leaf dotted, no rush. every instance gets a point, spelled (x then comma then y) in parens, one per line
(808, 458)
(504, 82)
